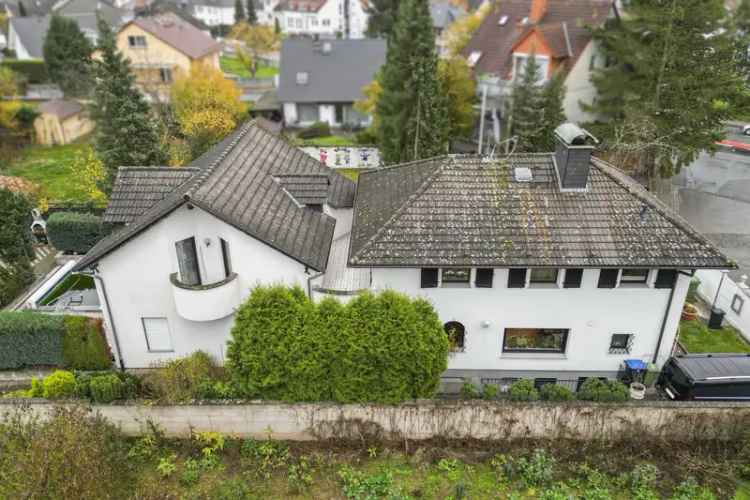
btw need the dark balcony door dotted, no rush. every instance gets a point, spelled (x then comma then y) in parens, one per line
(187, 260)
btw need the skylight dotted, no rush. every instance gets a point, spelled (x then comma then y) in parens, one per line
(474, 57)
(502, 21)
(302, 78)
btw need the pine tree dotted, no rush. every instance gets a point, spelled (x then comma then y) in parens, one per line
(742, 17)
(126, 133)
(381, 17)
(239, 11)
(412, 111)
(67, 56)
(672, 80)
(554, 113)
(527, 107)
(252, 16)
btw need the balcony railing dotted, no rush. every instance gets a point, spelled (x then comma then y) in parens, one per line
(207, 302)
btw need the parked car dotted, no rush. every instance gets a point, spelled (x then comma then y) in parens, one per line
(746, 129)
(707, 376)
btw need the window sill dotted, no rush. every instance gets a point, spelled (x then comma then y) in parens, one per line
(543, 286)
(455, 285)
(634, 286)
(533, 355)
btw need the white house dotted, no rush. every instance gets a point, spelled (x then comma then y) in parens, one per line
(558, 32)
(323, 18)
(320, 80)
(552, 266)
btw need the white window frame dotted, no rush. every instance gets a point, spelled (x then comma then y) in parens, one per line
(648, 284)
(456, 285)
(302, 78)
(132, 39)
(474, 58)
(146, 335)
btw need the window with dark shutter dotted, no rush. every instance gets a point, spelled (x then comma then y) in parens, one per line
(517, 278)
(608, 278)
(484, 278)
(187, 261)
(225, 257)
(429, 277)
(573, 278)
(665, 278)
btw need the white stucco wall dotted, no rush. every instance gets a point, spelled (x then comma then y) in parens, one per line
(213, 15)
(14, 43)
(326, 22)
(290, 112)
(579, 87)
(730, 294)
(136, 278)
(591, 314)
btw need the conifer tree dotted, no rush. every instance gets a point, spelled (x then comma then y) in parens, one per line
(126, 133)
(412, 110)
(252, 16)
(671, 82)
(554, 114)
(381, 17)
(527, 107)
(239, 11)
(67, 56)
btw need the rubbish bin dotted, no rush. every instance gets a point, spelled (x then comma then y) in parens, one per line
(716, 319)
(633, 370)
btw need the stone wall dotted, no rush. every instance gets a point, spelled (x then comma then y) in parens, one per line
(432, 419)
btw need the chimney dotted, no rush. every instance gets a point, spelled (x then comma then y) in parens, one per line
(538, 10)
(572, 156)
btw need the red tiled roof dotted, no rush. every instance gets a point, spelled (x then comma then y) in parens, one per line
(178, 33)
(495, 42)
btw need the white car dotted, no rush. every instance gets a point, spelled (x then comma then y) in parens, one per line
(746, 129)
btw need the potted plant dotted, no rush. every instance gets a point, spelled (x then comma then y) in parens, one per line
(689, 312)
(637, 390)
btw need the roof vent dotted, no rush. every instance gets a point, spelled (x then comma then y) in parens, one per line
(523, 174)
(326, 48)
(573, 156)
(502, 21)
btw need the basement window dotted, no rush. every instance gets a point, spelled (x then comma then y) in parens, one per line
(538, 340)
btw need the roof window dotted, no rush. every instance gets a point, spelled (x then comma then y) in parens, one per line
(302, 78)
(474, 58)
(524, 21)
(523, 174)
(502, 21)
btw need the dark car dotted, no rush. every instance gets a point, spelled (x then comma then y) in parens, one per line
(707, 377)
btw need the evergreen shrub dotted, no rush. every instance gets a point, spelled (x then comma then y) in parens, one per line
(317, 129)
(61, 384)
(555, 392)
(609, 391)
(377, 348)
(523, 390)
(74, 232)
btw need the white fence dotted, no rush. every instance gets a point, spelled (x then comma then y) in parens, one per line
(733, 298)
(357, 157)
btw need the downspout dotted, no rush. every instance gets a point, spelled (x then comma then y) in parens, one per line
(98, 278)
(666, 315)
(309, 283)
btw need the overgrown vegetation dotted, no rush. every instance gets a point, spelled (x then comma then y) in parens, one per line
(15, 245)
(36, 462)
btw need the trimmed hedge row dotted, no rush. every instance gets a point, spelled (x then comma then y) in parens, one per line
(31, 71)
(74, 231)
(377, 348)
(36, 339)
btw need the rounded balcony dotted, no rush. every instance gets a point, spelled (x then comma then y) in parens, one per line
(206, 302)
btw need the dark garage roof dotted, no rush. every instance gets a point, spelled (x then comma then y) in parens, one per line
(337, 76)
(238, 187)
(463, 211)
(706, 366)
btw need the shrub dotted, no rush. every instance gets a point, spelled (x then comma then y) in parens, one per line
(523, 390)
(594, 389)
(71, 453)
(555, 392)
(74, 232)
(106, 388)
(537, 469)
(30, 339)
(489, 391)
(384, 348)
(317, 129)
(31, 71)
(469, 390)
(358, 485)
(692, 295)
(180, 379)
(366, 137)
(127, 387)
(691, 490)
(84, 344)
(61, 384)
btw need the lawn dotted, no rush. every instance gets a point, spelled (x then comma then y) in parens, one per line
(352, 173)
(234, 66)
(51, 168)
(71, 282)
(696, 337)
(330, 140)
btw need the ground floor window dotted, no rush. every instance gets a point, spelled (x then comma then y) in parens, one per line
(308, 113)
(456, 335)
(543, 340)
(157, 334)
(621, 343)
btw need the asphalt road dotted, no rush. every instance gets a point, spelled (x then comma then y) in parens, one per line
(714, 195)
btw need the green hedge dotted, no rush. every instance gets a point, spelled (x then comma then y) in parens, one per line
(31, 71)
(73, 231)
(317, 129)
(384, 348)
(36, 339)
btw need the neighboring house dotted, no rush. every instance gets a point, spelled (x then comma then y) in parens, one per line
(162, 46)
(61, 122)
(443, 14)
(324, 18)
(321, 80)
(553, 266)
(34, 8)
(556, 31)
(195, 240)
(26, 36)
(87, 12)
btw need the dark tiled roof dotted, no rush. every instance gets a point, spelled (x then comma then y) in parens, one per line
(495, 42)
(137, 189)
(236, 184)
(461, 211)
(178, 33)
(337, 76)
(306, 189)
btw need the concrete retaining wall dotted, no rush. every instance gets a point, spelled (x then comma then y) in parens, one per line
(432, 419)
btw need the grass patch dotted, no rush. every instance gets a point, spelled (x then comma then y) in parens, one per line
(696, 337)
(234, 66)
(71, 282)
(330, 140)
(352, 173)
(51, 168)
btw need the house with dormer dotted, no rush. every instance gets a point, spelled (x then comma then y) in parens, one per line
(557, 32)
(554, 266)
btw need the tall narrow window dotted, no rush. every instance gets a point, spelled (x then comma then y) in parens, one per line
(187, 260)
(665, 278)
(573, 278)
(225, 257)
(157, 334)
(429, 277)
(608, 278)
(517, 278)
(483, 278)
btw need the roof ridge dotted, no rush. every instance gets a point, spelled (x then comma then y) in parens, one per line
(635, 189)
(201, 178)
(156, 167)
(406, 164)
(421, 189)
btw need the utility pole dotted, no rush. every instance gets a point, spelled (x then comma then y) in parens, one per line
(481, 118)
